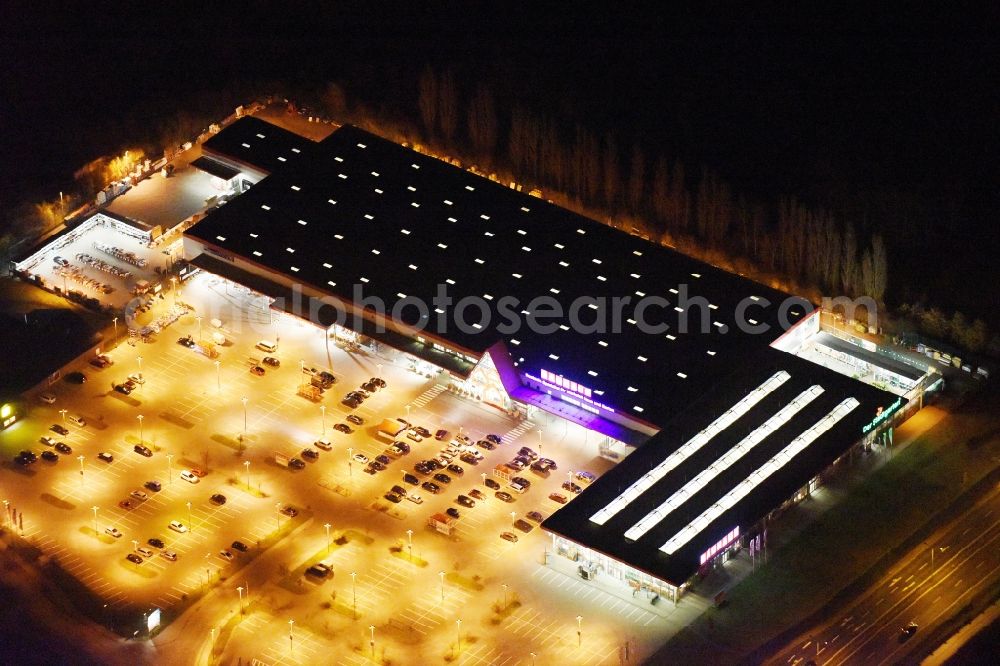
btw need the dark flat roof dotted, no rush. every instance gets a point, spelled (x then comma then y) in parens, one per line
(574, 520)
(358, 210)
(257, 144)
(215, 168)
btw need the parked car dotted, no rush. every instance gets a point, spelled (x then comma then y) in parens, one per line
(476, 493)
(310, 454)
(169, 555)
(344, 428)
(355, 419)
(296, 463)
(189, 477)
(441, 435)
(323, 444)
(443, 478)
(535, 516)
(496, 439)
(430, 487)
(47, 398)
(556, 497)
(523, 525)
(490, 483)
(48, 441)
(126, 504)
(218, 499)
(453, 512)
(509, 536)
(319, 570)
(105, 456)
(135, 559)
(49, 456)
(572, 487)
(226, 555)
(139, 495)
(361, 458)
(143, 450)
(395, 498)
(415, 498)
(240, 546)
(177, 526)
(410, 479)
(113, 531)
(528, 453)
(257, 370)
(465, 501)
(469, 458)
(63, 448)
(289, 510)
(457, 470)
(271, 361)
(200, 473)
(376, 466)
(156, 542)
(76, 377)
(55, 427)
(585, 477)
(486, 444)
(155, 486)
(145, 552)
(505, 496)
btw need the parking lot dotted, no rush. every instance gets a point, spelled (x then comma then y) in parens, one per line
(470, 595)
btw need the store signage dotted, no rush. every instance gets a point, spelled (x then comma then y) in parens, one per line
(882, 414)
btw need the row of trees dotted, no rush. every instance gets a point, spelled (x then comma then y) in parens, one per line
(653, 196)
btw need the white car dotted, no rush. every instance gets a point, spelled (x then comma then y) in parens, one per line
(415, 498)
(361, 458)
(189, 476)
(113, 531)
(226, 555)
(137, 378)
(48, 441)
(323, 444)
(170, 555)
(178, 526)
(47, 398)
(145, 552)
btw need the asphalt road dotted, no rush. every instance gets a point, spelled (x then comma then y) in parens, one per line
(965, 559)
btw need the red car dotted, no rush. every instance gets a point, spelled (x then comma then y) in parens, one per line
(200, 473)
(556, 497)
(257, 370)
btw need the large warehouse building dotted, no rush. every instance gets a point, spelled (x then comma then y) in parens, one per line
(682, 369)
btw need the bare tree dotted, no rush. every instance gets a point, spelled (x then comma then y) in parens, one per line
(850, 272)
(611, 174)
(483, 123)
(874, 268)
(428, 100)
(335, 101)
(447, 108)
(637, 181)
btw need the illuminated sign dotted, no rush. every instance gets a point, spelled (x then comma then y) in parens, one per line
(882, 415)
(723, 543)
(7, 415)
(153, 621)
(581, 392)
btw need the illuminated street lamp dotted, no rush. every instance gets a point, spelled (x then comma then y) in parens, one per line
(407, 412)
(291, 645)
(277, 514)
(350, 457)
(80, 458)
(579, 630)
(94, 509)
(140, 417)
(504, 586)
(939, 548)
(458, 632)
(441, 576)
(240, 590)
(354, 592)
(190, 523)
(198, 319)
(371, 641)
(170, 468)
(173, 281)
(532, 658)
(327, 526)
(539, 442)
(484, 477)
(63, 413)
(246, 464)
(114, 320)
(513, 516)
(409, 539)
(139, 361)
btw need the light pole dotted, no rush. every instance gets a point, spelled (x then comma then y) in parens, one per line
(513, 516)
(539, 442)
(441, 576)
(354, 593)
(240, 590)
(135, 544)
(190, 523)
(409, 539)
(80, 458)
(173, 281)
(322, 410)
(532, 658)
(218, 376)
(94, 509)
(244, 400)
(140, 417)
(942, 549)
(407, 412)
(139, 361)
(63, 413)
(579, 630)
(458, 632)
(277, 513)
(350, 456)
(291, 645)
(246, 465)
(504, 586)
(170, 468)
(327, 526)
(484, 477)
(114, 320)
(371, 641)
(198, 319)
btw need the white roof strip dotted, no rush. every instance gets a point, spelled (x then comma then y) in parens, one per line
(723, 463)
(730, 499)
(690, 447)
